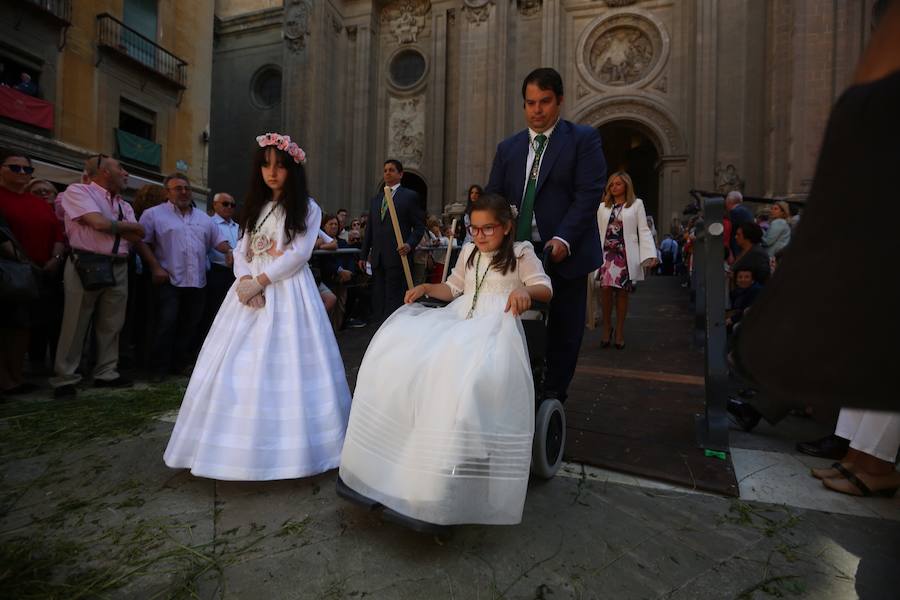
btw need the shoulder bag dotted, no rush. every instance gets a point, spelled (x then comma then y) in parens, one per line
(18, 281)
(96, 270)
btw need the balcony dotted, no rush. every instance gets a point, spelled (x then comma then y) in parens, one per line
(25, 109)
(59, 10)
(117, 37)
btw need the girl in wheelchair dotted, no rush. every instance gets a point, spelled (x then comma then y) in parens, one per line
(442, 420)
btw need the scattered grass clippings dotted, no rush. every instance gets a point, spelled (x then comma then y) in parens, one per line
(29, 428)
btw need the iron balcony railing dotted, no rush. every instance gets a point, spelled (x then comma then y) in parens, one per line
(118, 37)
(59, 9)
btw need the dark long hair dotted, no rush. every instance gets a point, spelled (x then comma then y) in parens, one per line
(505, 259)
(294, 198)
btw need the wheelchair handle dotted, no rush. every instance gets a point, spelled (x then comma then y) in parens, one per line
(545, 259)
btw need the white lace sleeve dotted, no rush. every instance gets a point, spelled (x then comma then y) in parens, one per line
(457, 279)
(298, 252)
(529, 267)
(241, 268)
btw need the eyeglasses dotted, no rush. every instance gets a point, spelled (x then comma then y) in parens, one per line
(487, 230)
(20, 169)
(100, 158)
(228, 204)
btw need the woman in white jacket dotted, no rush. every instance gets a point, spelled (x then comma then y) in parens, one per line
(778, 235)
(627, 248)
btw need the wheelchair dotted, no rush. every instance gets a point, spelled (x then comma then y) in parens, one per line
(549, 421)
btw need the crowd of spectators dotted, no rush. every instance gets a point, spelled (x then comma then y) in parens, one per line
(171, 264)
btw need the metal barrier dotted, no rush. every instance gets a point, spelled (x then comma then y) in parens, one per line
(708, 282)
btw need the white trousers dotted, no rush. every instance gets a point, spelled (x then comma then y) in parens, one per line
(873, 432)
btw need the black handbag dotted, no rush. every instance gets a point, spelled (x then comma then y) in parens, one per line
(18, 281)
(96, 270)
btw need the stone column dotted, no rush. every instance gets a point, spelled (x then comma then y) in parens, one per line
(704, 142)
(436, 120)
(299, 77)
(674, 181)
(479, 72)
(361, 87)
(551, 34)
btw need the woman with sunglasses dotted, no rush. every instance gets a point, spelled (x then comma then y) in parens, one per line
(39, 234)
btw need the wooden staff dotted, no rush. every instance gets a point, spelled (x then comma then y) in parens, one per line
(389, 198)
(449, 250)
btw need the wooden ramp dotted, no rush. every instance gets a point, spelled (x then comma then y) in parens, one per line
(633, 410)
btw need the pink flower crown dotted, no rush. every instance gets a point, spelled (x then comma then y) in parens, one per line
(283, 143)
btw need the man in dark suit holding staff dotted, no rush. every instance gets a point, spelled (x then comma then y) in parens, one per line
(387, 270)
(555, 172)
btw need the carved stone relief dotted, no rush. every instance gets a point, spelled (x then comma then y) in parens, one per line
(405, 19)
(622, 50)
(336, 24)
(621, 56)
(618, 3)
(728, 179)
(581, 91)
(662, 84)
(477, 11)
(528, 8)
(406, 134)
(296, 23)
(351, 32)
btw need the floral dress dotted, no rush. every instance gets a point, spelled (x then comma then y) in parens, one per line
(614, 272)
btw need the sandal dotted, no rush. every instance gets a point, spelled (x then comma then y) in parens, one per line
(835, 471)
(854, 486)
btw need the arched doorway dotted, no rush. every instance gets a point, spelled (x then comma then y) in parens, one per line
(417, 184)
(628, 148)
(413, 182)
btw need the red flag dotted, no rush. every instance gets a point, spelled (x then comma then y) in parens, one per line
(25, 109)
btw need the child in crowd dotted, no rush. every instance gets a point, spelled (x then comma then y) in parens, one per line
(439, 254)
(742, 296)
(443, 415)
(268, 398)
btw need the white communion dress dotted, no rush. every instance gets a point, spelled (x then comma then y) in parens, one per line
(268, 398)
(443, 413)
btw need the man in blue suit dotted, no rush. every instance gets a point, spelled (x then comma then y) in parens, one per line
(389, 284)
(555, 172)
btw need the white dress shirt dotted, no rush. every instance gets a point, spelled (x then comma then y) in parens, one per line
(532, 134)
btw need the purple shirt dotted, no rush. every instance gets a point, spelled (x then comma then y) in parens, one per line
(180, 242)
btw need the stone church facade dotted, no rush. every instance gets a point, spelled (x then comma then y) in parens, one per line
(709, 94)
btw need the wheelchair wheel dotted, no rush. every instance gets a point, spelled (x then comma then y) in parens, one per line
(549, 438)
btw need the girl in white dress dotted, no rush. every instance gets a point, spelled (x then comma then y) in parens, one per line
(443, 414)
(268, 398)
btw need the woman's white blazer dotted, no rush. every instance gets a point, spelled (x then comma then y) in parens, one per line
(639, 244)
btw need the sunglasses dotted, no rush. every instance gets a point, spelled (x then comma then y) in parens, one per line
(100, 158)
(228, 204)
(20, 169)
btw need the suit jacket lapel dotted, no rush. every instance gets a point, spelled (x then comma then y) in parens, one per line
(518, 164)
(558, 140)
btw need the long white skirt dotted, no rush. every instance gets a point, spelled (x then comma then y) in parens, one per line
(268, 398)
(443, 415)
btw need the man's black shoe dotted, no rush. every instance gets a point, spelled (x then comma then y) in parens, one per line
(118, 382)
(64, 391)
(744, 415)
(830, 446)
(355, 323)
